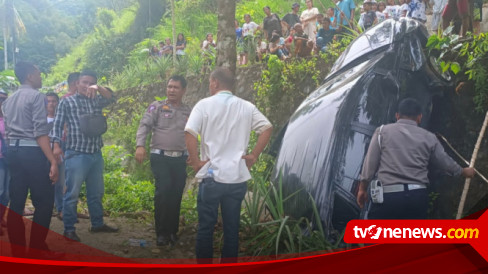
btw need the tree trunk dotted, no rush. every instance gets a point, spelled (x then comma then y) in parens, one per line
(5, 36)
(13, 29)
(226, 36)
(5, 50)
(174, 29)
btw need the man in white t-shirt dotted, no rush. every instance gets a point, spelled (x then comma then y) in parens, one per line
(248, 30)
(249, 27)
(392, 10)
(309, 20)
(224, 123)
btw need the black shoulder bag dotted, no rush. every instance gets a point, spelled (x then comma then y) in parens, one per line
(92, 124)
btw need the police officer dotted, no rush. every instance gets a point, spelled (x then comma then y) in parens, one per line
(166, 121)
(400, 155)
(4, 176)
(32, 164)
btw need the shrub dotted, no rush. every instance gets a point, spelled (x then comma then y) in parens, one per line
(271, 231)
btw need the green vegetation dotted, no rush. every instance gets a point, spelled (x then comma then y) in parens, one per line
(113, 51)
(281, 82)
(270, 231)
(48, 29)
(466, 58)
(8, 81)
(114, 37)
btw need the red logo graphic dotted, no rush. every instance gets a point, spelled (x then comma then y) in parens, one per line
(473, 232)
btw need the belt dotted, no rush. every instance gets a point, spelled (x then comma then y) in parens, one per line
(402, 187)
(23, 143)
(170, 153)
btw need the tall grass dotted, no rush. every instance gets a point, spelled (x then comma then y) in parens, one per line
(272, 232)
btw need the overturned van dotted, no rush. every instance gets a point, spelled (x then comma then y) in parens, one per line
(325, 141)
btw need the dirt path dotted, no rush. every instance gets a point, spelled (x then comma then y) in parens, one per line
(120, 244)
(126, 242)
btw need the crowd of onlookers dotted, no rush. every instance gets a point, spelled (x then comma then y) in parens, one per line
(166, 48)
(300, 34)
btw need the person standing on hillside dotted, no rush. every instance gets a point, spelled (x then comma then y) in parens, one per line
(224, 123)
(83, 157)
(166, 120)
(180, 46)
(437, 8)
(271, 23)
(32, 165)
(345, 7)
(291, 18)
(249, 28)
(309, 20)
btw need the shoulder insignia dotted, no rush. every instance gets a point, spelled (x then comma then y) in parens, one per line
(151, 108)
(166, 107)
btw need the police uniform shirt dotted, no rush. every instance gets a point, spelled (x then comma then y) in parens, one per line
(25, 114)
(405, 153)
(167, 124)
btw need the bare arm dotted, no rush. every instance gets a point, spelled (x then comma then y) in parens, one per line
(362, 193)
(273, 49)
(192, 147)
(261, 143)
(352, 16)
(104, 92)
(311, 18)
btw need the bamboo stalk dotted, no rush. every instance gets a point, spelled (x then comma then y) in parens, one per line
(173, 26)
(460, 156)
(471, 164)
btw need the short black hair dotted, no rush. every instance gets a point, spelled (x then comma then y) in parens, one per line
(274, 38)
(73, 77)
(52, 94)
(24, 69)
(225, 76)
(409, 107)
(88, 72)
(178, 78)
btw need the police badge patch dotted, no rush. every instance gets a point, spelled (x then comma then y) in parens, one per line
(151, 108)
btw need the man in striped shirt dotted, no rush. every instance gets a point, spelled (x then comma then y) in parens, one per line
(83, 157)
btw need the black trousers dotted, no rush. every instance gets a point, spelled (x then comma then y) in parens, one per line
(408, 204)
(29, 170)
(170, 175)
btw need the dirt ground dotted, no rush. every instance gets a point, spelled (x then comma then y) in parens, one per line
(126, 243)
(131, 232)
